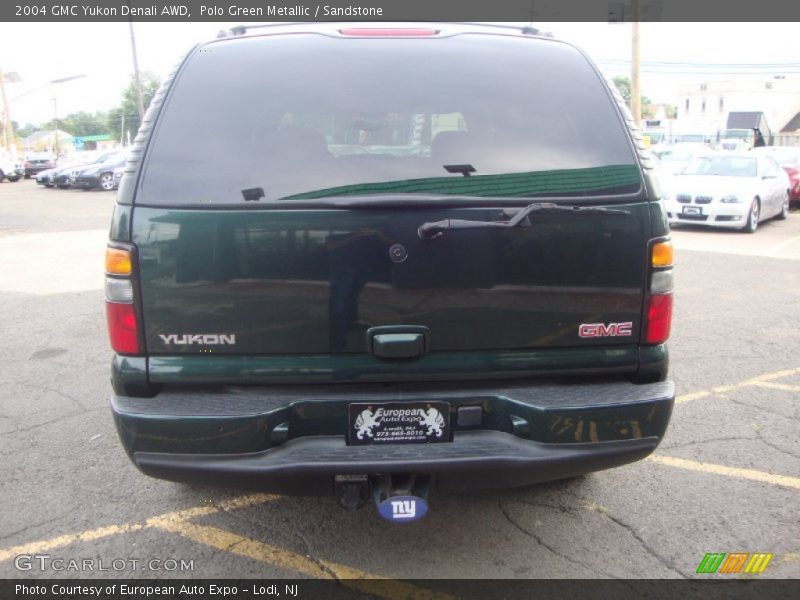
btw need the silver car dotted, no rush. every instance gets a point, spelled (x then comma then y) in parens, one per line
(735, 190)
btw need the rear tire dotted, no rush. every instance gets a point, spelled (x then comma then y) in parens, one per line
(2, 175)
(785, 208)
(752, 217)
(13, 179)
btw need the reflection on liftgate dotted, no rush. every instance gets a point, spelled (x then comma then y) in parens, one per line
(412, 259)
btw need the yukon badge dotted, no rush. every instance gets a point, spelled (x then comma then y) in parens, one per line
(594, 330)
(200, 339)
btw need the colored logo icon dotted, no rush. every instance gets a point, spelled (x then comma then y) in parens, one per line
(403, 508)
(734, 562)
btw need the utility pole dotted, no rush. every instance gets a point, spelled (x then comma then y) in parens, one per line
(137, 79)
(55, 126)
(6, 117)
(636, 97)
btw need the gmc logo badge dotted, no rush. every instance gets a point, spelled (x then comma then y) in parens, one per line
(593, 330)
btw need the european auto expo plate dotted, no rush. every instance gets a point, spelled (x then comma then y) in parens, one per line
(398, 423)
(692, 210)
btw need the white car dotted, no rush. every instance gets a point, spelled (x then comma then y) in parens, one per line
(735, 190)
(11, 168)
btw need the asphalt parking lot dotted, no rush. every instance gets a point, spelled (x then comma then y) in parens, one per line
(726, 478)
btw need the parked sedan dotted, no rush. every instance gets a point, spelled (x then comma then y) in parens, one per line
(37, 162)
(67, 172)
(48, 177)
(735, 190)
(787, 157)
(100, 175)
(60, 178)
(45, 177)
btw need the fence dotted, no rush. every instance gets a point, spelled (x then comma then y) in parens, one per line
(785, 139)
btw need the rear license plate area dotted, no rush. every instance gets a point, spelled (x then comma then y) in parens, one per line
(398, 423)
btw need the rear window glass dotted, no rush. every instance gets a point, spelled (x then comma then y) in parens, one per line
(310, 116)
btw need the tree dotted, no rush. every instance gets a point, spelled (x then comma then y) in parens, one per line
(27, 130)
(81, 123)
(624, 86)
(129, 108)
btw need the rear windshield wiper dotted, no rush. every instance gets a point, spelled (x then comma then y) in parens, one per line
(429, 231)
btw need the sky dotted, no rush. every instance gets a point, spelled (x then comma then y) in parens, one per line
(41, 52)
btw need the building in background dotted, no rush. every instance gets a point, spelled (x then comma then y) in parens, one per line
(101, 141)
(703, 108)
(44, 141)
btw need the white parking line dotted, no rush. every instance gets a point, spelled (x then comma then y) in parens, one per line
(776, 249)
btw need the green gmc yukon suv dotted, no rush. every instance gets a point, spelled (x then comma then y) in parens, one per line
(370, 260)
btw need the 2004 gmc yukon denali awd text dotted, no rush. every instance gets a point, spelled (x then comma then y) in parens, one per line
(366, 261)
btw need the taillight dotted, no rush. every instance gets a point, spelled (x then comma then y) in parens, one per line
(122, 328)
(123, 322)
(658, 308)
(659, 318)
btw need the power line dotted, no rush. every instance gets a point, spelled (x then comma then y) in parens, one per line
(702, 71)
(704, 64)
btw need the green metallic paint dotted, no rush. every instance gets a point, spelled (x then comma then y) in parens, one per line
(217, 434)
(658, 219)
(121, 223)
(221, 369)
(129, 376)
(300, 282)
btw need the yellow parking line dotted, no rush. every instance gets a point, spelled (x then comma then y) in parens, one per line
(178, 522)
(765, 380)
(66, 540)
(777, 386)
(693, 396)
(109, 530)
(771, 376)
(723, 389)
(232, 543)
(752, 475)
